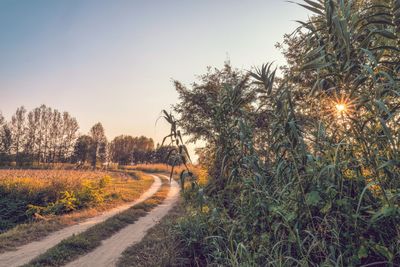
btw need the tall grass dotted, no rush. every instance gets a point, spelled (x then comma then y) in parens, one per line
(298, 181)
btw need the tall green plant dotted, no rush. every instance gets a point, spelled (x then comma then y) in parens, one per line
(311, 175)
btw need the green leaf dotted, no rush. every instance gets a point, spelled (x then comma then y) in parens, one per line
(362, 252)
(317, 63)
(312, 9)
(389, 163)
(384, 251)
(313, 198)
(314, 4)
(385, 211)
(382, 106)
(327, 207)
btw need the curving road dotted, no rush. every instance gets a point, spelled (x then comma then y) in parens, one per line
(26, 253)
(107, 254)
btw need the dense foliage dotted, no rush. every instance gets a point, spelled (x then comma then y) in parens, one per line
(304, 169)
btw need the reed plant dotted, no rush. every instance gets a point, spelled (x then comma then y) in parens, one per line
(305, 175)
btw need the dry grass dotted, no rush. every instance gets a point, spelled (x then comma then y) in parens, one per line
(199, 172)
(155, 168)
(32, 183)
(122, 187)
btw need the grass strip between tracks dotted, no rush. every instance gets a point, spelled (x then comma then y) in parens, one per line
(77, 245)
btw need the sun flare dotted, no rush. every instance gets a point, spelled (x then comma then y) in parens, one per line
(341, 107)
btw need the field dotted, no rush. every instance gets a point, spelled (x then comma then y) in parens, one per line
(31, 195)
(199, 172)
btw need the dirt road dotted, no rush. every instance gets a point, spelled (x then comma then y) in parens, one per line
(110, 250)
(26, 253)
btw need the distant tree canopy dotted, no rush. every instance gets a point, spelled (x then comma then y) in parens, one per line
(40, 135)
(82, 148)
(121, 149)
(46, 135)
(98, 151)
(126, 149)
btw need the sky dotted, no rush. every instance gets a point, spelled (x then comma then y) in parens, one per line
(114, 61)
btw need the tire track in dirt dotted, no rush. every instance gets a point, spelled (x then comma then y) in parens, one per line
(110, 250)
(26, 253)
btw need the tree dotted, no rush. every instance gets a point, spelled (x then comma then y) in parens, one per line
(143, 147)
(31, 135)
(42, 135)
(126, 149)
(6, 143)
(82, 149)
(68, 135)
(121, 149)
(99, 143)
(55, 134)
(197, 105)
(210, 110)
(36, 126)
(5, 140)
(44, 141)
(18, 130)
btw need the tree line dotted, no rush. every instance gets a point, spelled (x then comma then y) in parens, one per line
(46, 135)
(41, 135)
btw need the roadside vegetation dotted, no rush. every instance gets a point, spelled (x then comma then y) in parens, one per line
(304, 168)
(34, 203)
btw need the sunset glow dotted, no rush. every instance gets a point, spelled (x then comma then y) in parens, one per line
(341, 107)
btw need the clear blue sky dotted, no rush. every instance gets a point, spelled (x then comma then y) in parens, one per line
(113, 61)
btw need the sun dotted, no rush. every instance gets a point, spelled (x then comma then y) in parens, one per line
(341, 107)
